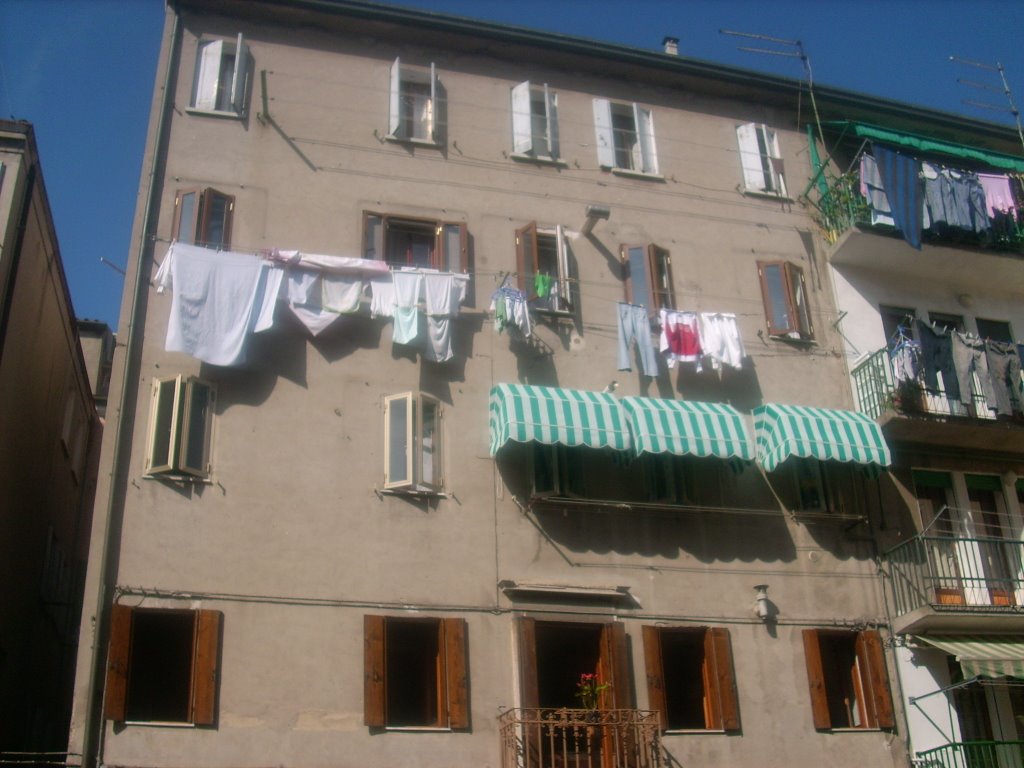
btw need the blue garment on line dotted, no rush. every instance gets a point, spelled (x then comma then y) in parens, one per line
(903, 187)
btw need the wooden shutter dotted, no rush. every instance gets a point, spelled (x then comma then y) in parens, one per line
(457, 261)
(655, 668)
(874, 679)
(750, 157)
(238, 80)
(204, 667)
(186, 217)
(457, 672)
(526, 257)
(659, 273)
(522, 119)
(395, 104)
(526, 638)
(603, 133)
(816, 679)
(374, 699)
(645, 135)
(551, 114)
(613, 667)
(207, 75)
(118, 655)
(801, 314)
(720, 679)
(436, 124)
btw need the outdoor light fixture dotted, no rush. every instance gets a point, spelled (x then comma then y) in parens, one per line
(594, 214)
(761, 604)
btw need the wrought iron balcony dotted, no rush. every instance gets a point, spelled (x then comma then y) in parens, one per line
(948, 582)
(580, 738)
(973, 754)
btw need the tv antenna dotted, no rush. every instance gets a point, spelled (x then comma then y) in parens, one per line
(1005, 90)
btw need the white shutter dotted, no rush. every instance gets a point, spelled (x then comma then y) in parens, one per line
(551, 104)
(750, 156)
(645, 135)
(239, 80)
(562, 245)
(395, 109)
(434, 130)
(772, 141)
(603, 133)
(522, 129)
(207, 75)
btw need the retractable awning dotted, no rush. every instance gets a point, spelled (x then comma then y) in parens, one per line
(989, 656)
(552, 415)
(687, 428)
(817, 433)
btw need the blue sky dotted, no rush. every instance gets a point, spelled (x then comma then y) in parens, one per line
(82, 72)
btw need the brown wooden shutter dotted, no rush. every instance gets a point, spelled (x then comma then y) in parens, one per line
(816, 679)
(118, 654)
(526, 257)
(374, 698)
(613, 667)
(874, 678)
(655, 668)
(529, 686)
(457, 672)
(204, 667)
(718, 657)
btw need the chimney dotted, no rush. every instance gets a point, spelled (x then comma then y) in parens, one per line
(671, 45)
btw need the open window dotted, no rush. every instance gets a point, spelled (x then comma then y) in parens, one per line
(403, 241)
(535, 121)
(180, 427)
(625, 137)
(807, 484)
(785, 300)
(848, 683)
(416, 673)
(412, 443)
(542, 262)
(162, 665)
(647, 277)
(690, 678)
(415, 107)
(203, 217)
(222, 77)
(761, 159)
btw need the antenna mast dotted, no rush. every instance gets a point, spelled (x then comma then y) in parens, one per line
(983, 86)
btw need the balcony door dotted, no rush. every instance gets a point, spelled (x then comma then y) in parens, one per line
(998, 545)
(942, 526)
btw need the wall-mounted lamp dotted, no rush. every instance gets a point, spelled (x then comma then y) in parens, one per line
(594, 214)
(761, 602)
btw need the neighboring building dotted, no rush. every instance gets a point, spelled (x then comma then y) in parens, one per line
(314, 544)
(97, 341)
(951, 408)
(49, 447)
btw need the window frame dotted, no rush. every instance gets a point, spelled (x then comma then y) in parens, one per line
(452, 680)
(655, 271)
(203, 672)
(201, 217)
(528, 265)
(761, 160)
(525, 136)
(718, 679)
(182, 392)
(413, 480)
(207, 85)
(796, 306)
(871, 679)
(642, 153)
(400, 78)
(375, 240)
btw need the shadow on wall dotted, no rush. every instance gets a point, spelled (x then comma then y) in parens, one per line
(740, 388)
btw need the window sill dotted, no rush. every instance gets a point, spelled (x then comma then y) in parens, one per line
(214, 113)
(179, 478)
(767, 195)
(692, 731)
(424, 493)
(637, 174)
(872, 729)
(414, 142)
(159, 724)
(418, 728)
(793, 339)
(521, 157)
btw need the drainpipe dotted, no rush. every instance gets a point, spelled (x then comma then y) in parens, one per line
(92, 738)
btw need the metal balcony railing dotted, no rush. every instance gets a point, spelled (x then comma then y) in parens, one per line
(974, 754)
(877, 390)
(580, 738)
(957, 574)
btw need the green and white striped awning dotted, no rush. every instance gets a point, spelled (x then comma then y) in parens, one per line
(687, 428)
(990, 656)
(817, 433)
(552, 415)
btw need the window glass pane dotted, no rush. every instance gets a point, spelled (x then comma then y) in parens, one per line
(996, 330)
(682, 658)
(410, 243)
(412, 671)
(164, 423)
(224, 80)
(640, 284)
(197, 419)
(217, 218)
(796, 288)
(398, 441)
(430, 445)
(539, 123)
(373, 238)
(417, 110)
(627, 148)
(452, 248)
(777, 298)
(160, 667)
(187, 218)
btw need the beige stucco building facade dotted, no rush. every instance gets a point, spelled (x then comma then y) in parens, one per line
(293, 566)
